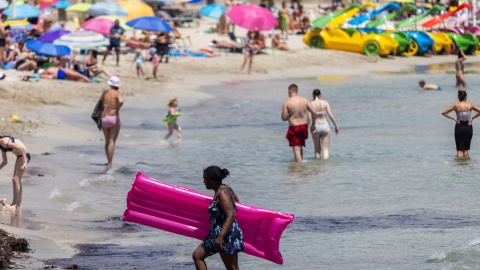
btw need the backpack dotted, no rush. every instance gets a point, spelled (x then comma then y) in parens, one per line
(97, 111)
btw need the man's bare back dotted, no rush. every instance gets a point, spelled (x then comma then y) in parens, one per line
(296, 108)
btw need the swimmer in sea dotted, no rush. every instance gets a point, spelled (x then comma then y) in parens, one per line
(112, 103)
(18, 148)
(459, 67)
(321, 136)
(172, 111)
(294, 111)
(425, 86)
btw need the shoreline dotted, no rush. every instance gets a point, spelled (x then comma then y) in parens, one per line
(44, 128)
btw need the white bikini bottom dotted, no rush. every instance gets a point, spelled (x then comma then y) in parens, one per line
(322, 127)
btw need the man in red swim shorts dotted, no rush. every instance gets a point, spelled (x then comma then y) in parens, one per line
(294, 110)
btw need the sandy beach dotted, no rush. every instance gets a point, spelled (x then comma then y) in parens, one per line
(42, 105)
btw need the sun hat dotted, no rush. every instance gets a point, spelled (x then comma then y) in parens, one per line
(114, 81)
(153, 50)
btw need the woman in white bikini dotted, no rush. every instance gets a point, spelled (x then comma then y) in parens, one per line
(321, 135)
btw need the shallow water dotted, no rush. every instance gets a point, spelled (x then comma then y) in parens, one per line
(392, 195)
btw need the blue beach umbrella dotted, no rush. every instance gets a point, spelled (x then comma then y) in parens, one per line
(62, 4)
(150, 23)
(108, 8)
(212, 11)
(46, 48)
(194, 1)
(24, 11)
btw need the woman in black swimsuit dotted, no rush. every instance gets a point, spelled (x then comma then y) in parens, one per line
(10, 144)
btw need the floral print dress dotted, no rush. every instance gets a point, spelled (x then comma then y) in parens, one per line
(233, 240)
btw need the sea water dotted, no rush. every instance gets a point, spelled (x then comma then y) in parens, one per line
(392, 195)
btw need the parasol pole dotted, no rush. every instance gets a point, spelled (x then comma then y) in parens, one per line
(14, 8)
(474, 10)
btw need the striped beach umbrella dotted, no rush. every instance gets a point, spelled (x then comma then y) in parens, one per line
(108, 8)
(82, 40)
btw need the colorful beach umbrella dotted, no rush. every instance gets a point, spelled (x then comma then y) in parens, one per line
(82, 40)
(46, 48)
(251, 17)
(108, 8)
(122, 22)
(151, 24)
(79, 7)
(53, 35)
(23, 11)
(212, 11)
(193, 1)
(136, 9)
(99, 25)
(3, 4)
(17, 35)
(47, 4)
(62, 4)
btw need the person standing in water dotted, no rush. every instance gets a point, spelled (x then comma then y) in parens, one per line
(463, 123)
(224, 236)
(112, 103)
(294, 111)
(18, 148)
(173, 113)
(460, 76)
(321, 136)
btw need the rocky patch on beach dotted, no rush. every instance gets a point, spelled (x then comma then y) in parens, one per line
(8, 246)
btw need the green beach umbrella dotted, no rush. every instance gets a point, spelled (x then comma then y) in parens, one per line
(79, 7)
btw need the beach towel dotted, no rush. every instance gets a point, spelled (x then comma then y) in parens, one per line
(97, 111)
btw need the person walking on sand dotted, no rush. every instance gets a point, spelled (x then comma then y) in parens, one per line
(18, 148)
(460, 75)
(172, 114)
(463, 123)
(116, 33)
(112, 103)
(284, 20)
(321, 136)
(225, 235)
(294, 111)
(138, 60)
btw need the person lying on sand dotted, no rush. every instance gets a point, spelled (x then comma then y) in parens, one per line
(226, 43)
(62, 74)
(280, 45)
(425, 86)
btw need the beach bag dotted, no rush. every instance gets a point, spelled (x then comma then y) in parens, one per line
(97, 111)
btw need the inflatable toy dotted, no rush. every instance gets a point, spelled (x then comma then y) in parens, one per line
(183, 211)
(382, 20)
(338, 39)
(169, 118)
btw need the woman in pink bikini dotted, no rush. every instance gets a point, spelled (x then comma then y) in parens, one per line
(112, 103)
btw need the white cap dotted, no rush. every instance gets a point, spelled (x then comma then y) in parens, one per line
(40, 71)
(114, 81)
(12, 47)
(153, 36)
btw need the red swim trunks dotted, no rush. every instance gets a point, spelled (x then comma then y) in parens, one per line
(296, 135)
